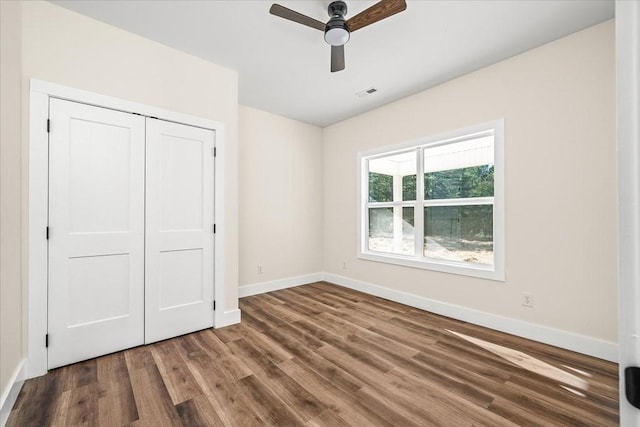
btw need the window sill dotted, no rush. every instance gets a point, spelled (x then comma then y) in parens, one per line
(482, 272)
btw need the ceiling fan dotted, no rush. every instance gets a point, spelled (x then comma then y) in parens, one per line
(337, 30)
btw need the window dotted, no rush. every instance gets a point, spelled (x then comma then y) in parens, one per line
(450, 218)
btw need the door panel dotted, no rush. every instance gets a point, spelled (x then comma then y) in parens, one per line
(96, 220)
(179, 230)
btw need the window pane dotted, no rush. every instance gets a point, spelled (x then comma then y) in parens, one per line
(459, 233)
(391, 230)
(383, 171)
(475, 181)
(380, 187)
(409, 187)
(459, 170)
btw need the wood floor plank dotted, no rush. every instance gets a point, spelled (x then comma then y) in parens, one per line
(138, 358)
(290, 392)
(323, 355)
(177, 378)
(229, 333)
(340, 378)
(339, 401)
(511, 411)
(263, 315)
(81, 374)
(269, 298)
(385, 406)
(45, 394)
(267, 404)
(205, 369)
(116, 402)
(190, 415)
(198, 411)
(221, 355)
(230, 403)
(455, 379)
(82, 407)
(563, 410)
(270, 348)
(327, 418)
(152, 398)
(444, 396)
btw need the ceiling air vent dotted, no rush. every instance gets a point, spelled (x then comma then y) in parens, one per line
(366, 92)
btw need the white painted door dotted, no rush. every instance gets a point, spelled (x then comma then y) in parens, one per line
(96, 232)
(179, 230)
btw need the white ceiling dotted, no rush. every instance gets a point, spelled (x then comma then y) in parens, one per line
(283, 67)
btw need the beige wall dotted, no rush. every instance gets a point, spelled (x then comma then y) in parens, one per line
(11, 348)
(558, 102)
(66, 48)
(280, 178)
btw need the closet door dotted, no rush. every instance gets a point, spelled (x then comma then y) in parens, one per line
(179, 230)
(96, 232)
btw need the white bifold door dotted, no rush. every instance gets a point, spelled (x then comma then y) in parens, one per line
(123, 272)
(179, 230)
(96, 232)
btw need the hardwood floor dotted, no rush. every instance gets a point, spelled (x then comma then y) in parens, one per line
(323, 355)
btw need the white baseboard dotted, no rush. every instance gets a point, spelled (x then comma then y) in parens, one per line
(10, 394)
(275, 285)
(227, 318)
(579, 343)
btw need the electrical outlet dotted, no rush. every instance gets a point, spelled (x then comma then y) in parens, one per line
(344, 265)
(260, 269)
(527, 299)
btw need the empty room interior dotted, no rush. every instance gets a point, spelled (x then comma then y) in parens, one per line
(317, 213)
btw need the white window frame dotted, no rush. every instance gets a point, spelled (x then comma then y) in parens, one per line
(418, 260)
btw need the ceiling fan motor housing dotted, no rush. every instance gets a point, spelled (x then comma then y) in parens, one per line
(338, 8)
(337, 31)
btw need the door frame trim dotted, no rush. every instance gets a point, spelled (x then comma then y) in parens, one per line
(627, 27)
(37, 252)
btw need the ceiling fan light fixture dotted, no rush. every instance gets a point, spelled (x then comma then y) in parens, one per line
(338, 35)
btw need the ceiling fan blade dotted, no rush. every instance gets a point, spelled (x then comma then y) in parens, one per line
(337, 58)
(381, 10)
(294, 16)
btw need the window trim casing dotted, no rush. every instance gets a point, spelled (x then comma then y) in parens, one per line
(494, 272)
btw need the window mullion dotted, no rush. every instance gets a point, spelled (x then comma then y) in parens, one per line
(469, 201)
(397, 213)
(364, 230)
(418, 210)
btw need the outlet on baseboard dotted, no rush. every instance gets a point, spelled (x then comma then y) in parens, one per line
(527, 299)
(259, 269)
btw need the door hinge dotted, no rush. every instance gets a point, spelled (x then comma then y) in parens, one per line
(214, 304)
(46, 340)
(214, 229)
(47, 233)
(214, 151)
(48, 125)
